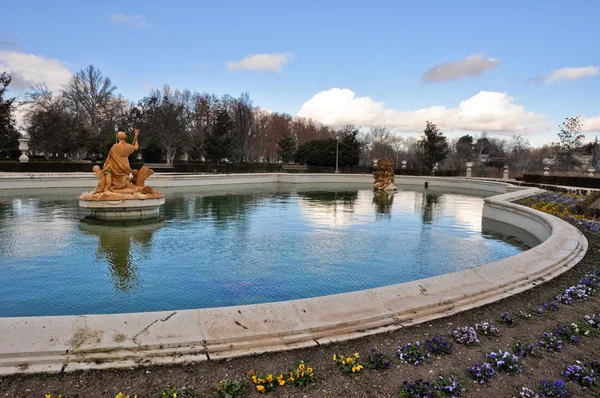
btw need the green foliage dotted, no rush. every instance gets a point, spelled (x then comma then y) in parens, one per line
(301, 376)
(348, 364)
(286, 147)
(218, 144)
(174, 392)
(322, 152)
(464, 148)
(230, 389)
(433, 147)
(8, 131)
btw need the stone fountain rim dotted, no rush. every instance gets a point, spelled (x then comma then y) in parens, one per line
(57, 343)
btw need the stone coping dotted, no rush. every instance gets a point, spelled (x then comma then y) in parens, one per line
(66, 343)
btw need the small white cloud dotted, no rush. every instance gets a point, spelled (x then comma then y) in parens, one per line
(486, 111)
(134, 21)
(472, 66)
(590, 125)
(29, 69)
(569, 74)
(263, 62)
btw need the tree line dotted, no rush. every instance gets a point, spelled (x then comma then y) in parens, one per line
(81, 120)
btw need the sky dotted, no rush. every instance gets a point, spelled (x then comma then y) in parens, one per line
(508, 67)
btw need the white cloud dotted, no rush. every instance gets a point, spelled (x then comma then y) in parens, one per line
(472, 66)
(569, 74)
(134, 21)
(263, 62)
(489, 111)
(590, 125)
(29, 69)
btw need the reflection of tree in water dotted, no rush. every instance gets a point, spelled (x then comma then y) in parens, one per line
(383, 203)
(330, 198)
(429, 207)
(115, 244)
(222, 209)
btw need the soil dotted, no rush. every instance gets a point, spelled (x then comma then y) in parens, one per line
(203, 377)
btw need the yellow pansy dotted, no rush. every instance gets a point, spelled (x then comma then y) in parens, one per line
(334, 358)
(254, 379)
(356, 355)
(260, 388)
(301, 366)
(270, 378)
(281, 382)
(348, 360)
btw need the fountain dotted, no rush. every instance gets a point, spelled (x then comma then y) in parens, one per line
(384, 175)
(121, 193)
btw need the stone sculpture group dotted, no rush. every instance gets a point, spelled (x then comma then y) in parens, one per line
(384, 175)
(117, 180)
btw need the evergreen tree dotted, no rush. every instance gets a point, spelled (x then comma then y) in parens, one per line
(286, 147)
(218, 144)
(433, 146)
(8, 130)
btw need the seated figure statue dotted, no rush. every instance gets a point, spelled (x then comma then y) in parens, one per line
(116, 179)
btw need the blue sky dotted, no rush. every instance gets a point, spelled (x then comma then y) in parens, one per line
(377, 51)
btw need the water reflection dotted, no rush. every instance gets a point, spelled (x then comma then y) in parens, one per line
(430, 206)
(116, 245)
(383, 202)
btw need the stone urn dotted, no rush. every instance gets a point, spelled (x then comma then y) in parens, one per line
(469, 165)
(23, 147)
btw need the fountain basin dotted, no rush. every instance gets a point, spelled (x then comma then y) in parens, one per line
(124, 209)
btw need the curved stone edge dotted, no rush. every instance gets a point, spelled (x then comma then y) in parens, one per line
(57, 343)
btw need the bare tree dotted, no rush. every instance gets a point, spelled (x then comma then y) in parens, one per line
(169, 119)
(243, 114)
(89, 93)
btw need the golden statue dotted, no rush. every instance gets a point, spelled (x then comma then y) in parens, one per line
(116, 179)
(384, 175)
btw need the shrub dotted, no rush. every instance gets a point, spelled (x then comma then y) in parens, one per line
(447, 387)
(556, 389)
(575, 293)
(174, 392)
(507, 319)
(526, 392)
(266, 383)
(412, 354)
(377, 360)
(466, 335)
(348, 364)
(438, 346)
(581, 374)
(568, 333)
(524, 350)
(550, 342)
(230, 389)
(300, 377)
(482, 373)
(487, 329)
(504, 361)
(417, 389)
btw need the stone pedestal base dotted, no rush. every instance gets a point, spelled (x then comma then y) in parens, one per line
(389, 187)
(126, 209)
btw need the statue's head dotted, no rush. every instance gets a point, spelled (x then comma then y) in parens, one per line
(96, 168)
(121, 136)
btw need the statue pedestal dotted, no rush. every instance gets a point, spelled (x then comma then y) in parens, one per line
(389, 187)
(124, 209)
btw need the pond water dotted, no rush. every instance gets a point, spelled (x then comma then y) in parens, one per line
(243, 245)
